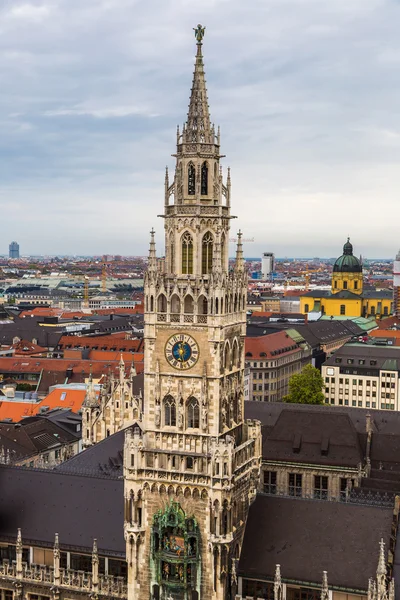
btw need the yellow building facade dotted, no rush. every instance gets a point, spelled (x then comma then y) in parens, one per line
(348, 297)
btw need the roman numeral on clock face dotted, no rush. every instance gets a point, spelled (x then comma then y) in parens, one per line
(181, 351)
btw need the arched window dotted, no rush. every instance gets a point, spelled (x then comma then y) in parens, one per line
(169, 411)
(204, 179)
(223, 251)
(188, 305)
(191, 179)
(202, 306)
(162, 303)
(171, 253)
(187, 254)
(216, 306)
(306, 308)
(335, 285)
(356, 285)
(207, 253)
(342, 309)
(193, 413)
(175, 304)
(151, 303)
(345, 285)
(227, 358)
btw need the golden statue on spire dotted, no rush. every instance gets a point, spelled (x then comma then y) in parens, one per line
(199, 33)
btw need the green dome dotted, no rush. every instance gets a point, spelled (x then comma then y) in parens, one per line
(347, 263)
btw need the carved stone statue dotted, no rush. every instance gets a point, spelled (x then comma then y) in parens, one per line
(157, 417)
(199, 33)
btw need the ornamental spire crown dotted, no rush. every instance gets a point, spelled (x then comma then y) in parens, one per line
(197, 128)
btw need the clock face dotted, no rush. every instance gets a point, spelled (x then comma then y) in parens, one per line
(182, 351)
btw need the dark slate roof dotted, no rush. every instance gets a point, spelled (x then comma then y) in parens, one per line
(385, 356)
(317, 294)
(104, 459)
(383, 421)
(307, 537)
(78, 508)
(382, 294)
(346, 295)
(33, 435)
(29, 329)
(315, 333)
(310, 437)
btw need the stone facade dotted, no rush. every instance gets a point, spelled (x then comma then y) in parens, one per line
(116, 407)
(192, 468)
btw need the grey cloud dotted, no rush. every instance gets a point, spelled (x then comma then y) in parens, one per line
(306, 93)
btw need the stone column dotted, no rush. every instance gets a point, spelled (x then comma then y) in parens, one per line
(56, 562)
(19, 555)
(95, 568)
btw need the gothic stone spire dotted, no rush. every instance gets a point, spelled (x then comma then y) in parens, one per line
(198, 128)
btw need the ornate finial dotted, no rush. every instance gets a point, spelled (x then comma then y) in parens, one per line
(19, 539)
(95, 546)
(278, 591)
(152, 232)
(199, 33)
(324, 589)
(381, 562)
(56, 543)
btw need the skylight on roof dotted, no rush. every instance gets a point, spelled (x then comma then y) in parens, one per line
(63, 395)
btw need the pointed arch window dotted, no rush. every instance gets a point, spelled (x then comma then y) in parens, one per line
(191, 179)
(169, 411)
(207, 253)
(223, 251)
(193, 413)
(187, 254)
(204, 179)
(172, 253)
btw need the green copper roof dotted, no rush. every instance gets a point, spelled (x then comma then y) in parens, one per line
(347, 263)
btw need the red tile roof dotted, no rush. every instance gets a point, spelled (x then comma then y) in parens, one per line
(64, 398)
(269, 346)
(57, 365)
(128, 357)
(17, 410)
(114, 342)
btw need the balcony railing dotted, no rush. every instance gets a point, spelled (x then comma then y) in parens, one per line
(181, 318)
(80, 580)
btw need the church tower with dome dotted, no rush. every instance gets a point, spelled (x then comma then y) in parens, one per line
(191, 466)
(348, 296)
(347, 272)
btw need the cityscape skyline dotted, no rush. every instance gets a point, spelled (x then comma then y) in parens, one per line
(307, 106)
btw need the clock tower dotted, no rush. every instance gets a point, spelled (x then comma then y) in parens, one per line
(191, 466)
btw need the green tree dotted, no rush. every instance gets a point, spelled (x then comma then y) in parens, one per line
(306, 387)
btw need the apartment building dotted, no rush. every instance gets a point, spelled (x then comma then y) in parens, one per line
(271, 360)
(363, 375)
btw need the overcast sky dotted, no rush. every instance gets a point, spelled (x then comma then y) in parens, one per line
(307, 93)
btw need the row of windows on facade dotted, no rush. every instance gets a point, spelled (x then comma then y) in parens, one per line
(351, 361)
(192, 412)
(368, 382)
(179, 463)
(274, 352)
(204, 179)
(360, 393)
(295, 485)
(68, 560)
(345, 284)
(267, 386)
(372, 310)
(284, 370)
(234, 304)
(270, 398)
(360, 403)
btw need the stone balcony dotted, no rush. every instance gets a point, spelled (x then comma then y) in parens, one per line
(79, 581)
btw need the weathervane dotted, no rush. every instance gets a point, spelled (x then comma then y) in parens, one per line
(199, 33)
